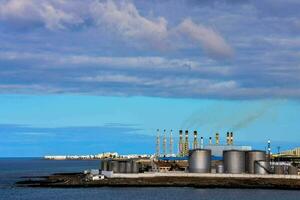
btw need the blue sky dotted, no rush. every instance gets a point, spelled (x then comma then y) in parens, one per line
(114, 71)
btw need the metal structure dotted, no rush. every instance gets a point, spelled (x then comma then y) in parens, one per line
(171, 143)
(231, 138)
(180, 147)
(186, 143)
(195, 143)
(157, 144)
(114, 166)
(104, 165)
(135, 166)
(220, 169)
(279, 169)
(165, 143)
(262, 167)
(122, 166)
(217, 139)
(227, 139)
(128, 166)
(234, 161)
(251, 157)
(199, 161)
(293, 170)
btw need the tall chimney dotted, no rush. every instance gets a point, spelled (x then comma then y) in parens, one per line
(269, 150)
(210, 141)
(165, 143)
(231, 138)
(157, 143)
(228, 138)
(201, 143)
(217, 139)
(171, 143)
(180, 147)
(195, 143)
(186, 143)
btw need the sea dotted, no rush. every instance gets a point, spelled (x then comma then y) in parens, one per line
(12, 169)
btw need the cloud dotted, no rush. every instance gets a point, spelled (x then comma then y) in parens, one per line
(126, 20)
(35, 12)
(210, 40)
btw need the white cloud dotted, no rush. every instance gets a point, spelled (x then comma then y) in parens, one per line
(210, 40)
(125, 19)
(47, 13)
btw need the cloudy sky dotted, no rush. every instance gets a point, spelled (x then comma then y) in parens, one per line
(108, 70)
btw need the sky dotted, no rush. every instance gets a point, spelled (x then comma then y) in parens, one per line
(85, 77)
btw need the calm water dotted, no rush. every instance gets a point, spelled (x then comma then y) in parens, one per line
(12, 169)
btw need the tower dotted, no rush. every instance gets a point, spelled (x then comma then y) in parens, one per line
(180, 147)
(217, 139)
(210, 141)
(157, 143)
(165, 143)
(201, 143)
(186, 143)
(171, 143)
(231, 138)
(228, 138)
(195, 143)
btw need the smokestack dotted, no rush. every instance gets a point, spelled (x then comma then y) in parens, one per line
(171, 143)
(165, 143)
(201, 143)
(217, 139)
(180, 148)
(157, 143)
(195, 143)
(269, 150)
(186, 143)
(228, 139)
(231, 138)
(210, 141)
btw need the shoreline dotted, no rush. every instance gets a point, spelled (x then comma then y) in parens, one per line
(78, 180)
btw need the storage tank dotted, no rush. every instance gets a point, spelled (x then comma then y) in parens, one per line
(104, 165)
(234, 161)
(114, 166)
(293, 170)
(251, 157)
(199, 161)
(261, 167)
(279, 169)
(220, 169)
(128, 166)
(135, 166)
(122, 166)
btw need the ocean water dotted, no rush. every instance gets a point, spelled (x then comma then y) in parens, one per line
(11, 169)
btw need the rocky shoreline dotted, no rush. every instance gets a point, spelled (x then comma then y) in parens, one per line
(73, 180)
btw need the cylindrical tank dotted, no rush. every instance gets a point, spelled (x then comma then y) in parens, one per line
(234, 161)
(220, 169)
(128, 166)
(279, 169)
(293, 170)
(135, 166)
(104, 165)
(251, 157)
(199, 161)
(114, 166)
(122, 166)
(261, 167)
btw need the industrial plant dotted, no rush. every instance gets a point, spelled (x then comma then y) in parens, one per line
(198, 162)
(212, 158)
